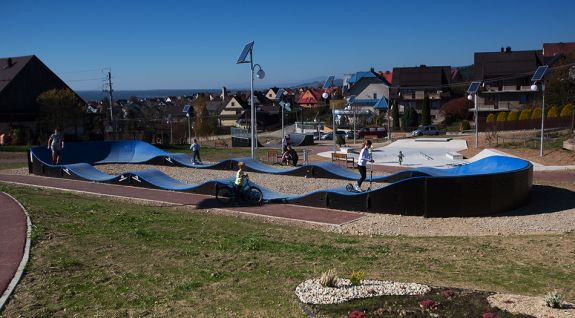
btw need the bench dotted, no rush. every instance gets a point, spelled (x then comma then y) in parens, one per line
(220, 143)
(338, 157)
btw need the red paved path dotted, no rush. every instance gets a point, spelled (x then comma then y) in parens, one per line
(287, 211)
(13, 231)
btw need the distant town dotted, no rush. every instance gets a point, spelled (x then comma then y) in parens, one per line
(33, 100)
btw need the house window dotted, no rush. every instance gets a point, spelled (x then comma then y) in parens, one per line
(233, 103)
(374, 95)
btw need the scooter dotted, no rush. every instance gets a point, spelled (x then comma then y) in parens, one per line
(349, 187)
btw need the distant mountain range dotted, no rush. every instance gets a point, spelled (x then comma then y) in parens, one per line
(125, 94)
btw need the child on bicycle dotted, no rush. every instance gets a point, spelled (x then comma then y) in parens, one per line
(241, 178)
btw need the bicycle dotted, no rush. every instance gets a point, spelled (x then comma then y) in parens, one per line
(226, 193)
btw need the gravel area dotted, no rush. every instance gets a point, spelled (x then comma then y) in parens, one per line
(534, 306)
(312, 292)
(283, 184)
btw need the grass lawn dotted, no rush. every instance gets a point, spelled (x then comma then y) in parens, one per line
(99, 257)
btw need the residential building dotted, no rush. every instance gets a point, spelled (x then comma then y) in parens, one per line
(22, 80)
(553, 49)
(229, 115)
(311, 98)
(366, 90)
(506, 77)
(415, 83)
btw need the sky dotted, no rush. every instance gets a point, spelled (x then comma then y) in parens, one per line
(195, 44)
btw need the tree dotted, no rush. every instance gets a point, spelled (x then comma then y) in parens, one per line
(426, 111)
(490, 118)
(553, 112)
(395, 115)
(560, 83)
(410, 118)
(501, 117)
(525, 114)
(201, 122)
(61, 108)
(536, 113)
(455, 109)
(513, 115)
(567, 110)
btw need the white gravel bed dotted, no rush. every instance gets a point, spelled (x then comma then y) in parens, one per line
(283, 184)
(526, 305)
(312, 292)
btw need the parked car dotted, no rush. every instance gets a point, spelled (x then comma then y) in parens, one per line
(329, 136)
(425, 131)
(349, 134)
(380, 132)
(318, 135)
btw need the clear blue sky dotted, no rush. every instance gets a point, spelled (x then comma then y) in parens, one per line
(194, 44)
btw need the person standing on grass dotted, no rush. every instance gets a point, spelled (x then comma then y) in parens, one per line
(56, 145)
(364, 158)
(196, 152)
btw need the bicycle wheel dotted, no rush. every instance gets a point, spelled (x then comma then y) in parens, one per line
(224, 194)
(349, 187)
(254, 195)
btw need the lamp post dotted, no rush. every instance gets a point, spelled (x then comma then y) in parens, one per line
(472, 91)
(325, 95)
(534, 89)
(248, 49)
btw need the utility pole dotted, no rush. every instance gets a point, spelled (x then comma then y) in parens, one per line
(110, 90)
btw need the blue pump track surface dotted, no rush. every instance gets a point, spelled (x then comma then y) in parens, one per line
(487, 186)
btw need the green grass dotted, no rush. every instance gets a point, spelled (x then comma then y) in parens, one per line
(95, 257)
(14, 148)
(12, 165)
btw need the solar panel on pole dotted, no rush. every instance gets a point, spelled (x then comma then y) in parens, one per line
(539, 73)
(186, 109)
(279, 94)
(329, 82)
(247, 49)
(473, 87)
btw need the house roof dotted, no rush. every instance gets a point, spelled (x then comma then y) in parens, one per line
(499, 64)
(421, 76)
(552, 49)
(9, 72)
(383, 103)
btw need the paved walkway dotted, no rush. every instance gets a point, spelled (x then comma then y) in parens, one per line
(13, 251)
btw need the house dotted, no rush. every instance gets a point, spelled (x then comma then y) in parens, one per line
(271, 93)
(311, 98)
(506, 77)
(229, 115)
(368, 89)
(553, 49)
(22, 80)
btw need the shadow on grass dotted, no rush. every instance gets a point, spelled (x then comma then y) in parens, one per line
(545, 199)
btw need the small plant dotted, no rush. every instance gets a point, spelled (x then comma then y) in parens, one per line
(428, 304)
(357, 314)
(329, 278)
(356, 277)
(553, 299)
(339, 140)
(464, 125)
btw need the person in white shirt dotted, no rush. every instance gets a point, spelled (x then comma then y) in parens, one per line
(196, 152)
(364, 158)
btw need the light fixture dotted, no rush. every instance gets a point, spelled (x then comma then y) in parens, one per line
(470, 97)
(261, 74)
(534, 87)
(325, 95)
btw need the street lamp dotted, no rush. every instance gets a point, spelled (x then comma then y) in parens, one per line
(538, 77)
(187, 111)
(248, 49)
(329, 83)
(279, 97)
(472, 91)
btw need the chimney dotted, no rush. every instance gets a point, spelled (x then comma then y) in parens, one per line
(508, 49)
(9, 63)
(372, 69)
(502, 49)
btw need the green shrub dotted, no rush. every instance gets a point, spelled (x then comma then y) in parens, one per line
(553, 112)
(329, 278)
(553, 299)
(536, 113)
(490, 118)
(567, 110)
(525, 114)
(501, 117)
(464, 125)
(356, 277)
(513, 115)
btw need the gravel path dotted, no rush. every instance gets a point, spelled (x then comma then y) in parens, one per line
(534, 306)
(549, 210)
